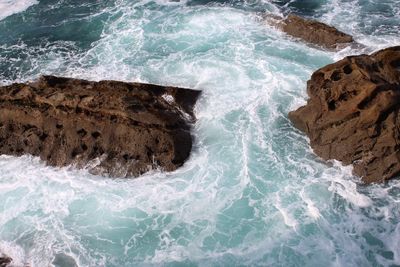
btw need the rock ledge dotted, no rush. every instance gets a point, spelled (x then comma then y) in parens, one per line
(311, 31)
(116, 128)
(353, 113)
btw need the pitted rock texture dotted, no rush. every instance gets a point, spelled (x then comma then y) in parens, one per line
(352, 114)
(109, 127)
(311, 31)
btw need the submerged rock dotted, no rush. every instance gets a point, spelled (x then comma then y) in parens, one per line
(117, 128)
(353, 113)
(311, 31)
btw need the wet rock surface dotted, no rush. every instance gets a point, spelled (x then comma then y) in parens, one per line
(4, 261)
(109, 127)
(311, 31)
(353, 113)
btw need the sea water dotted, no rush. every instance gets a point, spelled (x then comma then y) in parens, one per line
(252, 192)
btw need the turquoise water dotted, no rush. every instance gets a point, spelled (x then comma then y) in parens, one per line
(252, 192)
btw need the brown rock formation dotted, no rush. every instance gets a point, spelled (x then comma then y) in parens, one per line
(311, 31)
(122, 129)
(353, 113)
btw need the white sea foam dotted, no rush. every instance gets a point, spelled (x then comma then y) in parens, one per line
(252, 191)
(15, 252)
(351, 17)
(10, 7)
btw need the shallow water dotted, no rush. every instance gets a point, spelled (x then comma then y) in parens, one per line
(252, 192)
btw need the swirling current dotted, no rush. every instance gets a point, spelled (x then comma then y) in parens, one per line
(252, 192)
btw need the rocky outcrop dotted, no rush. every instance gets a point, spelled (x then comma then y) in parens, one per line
(311, 31)
(353, 113)
(117, 128)
(4, 261)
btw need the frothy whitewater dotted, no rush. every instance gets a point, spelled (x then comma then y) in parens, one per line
(252, 192)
